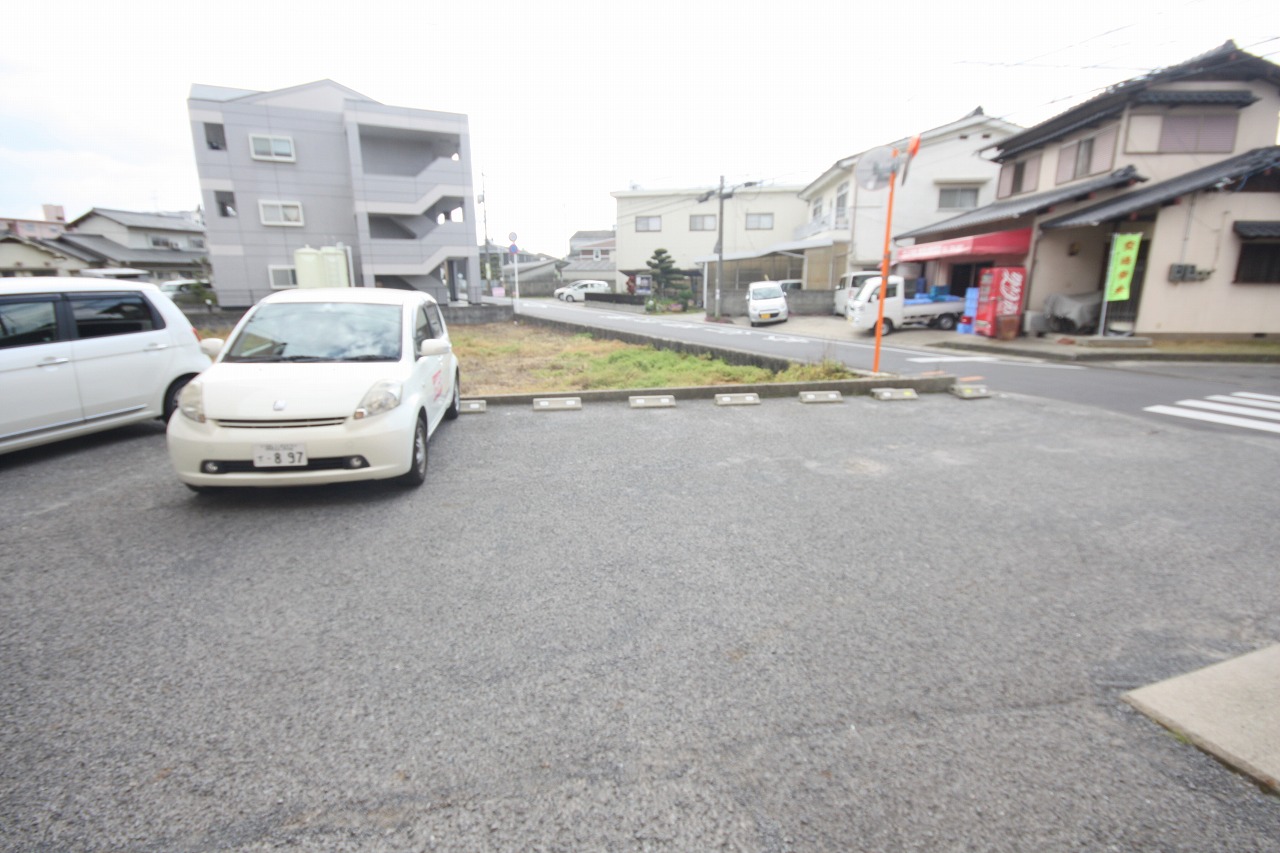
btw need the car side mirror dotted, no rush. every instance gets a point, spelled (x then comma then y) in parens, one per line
(434, 346)
(212, 346)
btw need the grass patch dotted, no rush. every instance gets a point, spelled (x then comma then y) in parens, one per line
(506, 358)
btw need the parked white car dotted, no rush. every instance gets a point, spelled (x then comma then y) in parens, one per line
(320, 385)
(80, 355)
(766, 303)
(577, 291)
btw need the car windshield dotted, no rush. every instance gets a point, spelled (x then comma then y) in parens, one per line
(319, 331)
(870, 288)
(766, 292)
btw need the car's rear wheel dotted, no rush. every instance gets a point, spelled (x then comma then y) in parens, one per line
(455, 406)
(947, 322)
(417, 473)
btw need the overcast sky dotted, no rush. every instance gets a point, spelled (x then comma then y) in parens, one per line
(568, 100)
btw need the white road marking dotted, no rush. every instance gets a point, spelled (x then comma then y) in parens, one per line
(1195, 415)
(1245, 399)
(1230, 410)
(952, 358)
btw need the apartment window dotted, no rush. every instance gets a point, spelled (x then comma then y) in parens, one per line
(1202, 134)
(282, 276)
(648, 223)
(225, 202)
(957, 198)
(1020, 177)
(759, 221)
(277, 148)
(280, 213)
(702, 223)
(1259, 264)
(215, 136)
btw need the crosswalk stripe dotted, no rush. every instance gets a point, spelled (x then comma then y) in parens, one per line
(952, 358)
(1230, 410)
(1197, 415)
(1253, 396)
(1243, 401)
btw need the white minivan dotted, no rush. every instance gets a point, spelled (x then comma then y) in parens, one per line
(81, 355)
(850, 284)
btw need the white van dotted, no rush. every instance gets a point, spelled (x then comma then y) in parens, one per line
(82, 355)
(850, 284)
(577, 291)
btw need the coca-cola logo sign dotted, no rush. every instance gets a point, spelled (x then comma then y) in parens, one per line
(1010, 290)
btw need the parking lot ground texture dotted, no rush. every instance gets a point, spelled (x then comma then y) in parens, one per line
(861, 626)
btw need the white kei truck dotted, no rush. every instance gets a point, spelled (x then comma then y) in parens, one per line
(939, 312)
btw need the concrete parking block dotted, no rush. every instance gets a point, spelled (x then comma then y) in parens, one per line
(471, 407)
(737, 399)
(657, 401)
(894, 393)
(970, 392)
(557, 404)
(1230, 710)
(821, 397)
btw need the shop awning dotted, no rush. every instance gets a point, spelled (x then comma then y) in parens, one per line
(979, 245)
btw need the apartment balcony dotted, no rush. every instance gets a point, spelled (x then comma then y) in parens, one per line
(828, 222)
(418, 254)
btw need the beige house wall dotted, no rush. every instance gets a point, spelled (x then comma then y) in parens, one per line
(17, 258)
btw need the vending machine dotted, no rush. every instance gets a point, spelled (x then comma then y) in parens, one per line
(1001, 291)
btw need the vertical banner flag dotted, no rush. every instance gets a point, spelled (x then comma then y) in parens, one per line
(1124, 257)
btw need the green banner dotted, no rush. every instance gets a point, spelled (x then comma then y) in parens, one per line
(1124, 258)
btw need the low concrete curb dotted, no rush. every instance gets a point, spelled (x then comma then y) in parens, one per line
(1067, 353)
(849, 387)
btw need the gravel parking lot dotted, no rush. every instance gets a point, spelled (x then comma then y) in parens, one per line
(856, 626)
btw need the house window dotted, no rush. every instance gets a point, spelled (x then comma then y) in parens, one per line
(215, 136)
(277, 148)
(1259, 264)
(196, 242)
(1202, 134)
(1020, 177)
(759, 221)
(282, 276)
(815, 213)
(648, 223)
(281, 213)
(162, 242)
(702, 223)
(225, 202)
(957, 198)
(1086, 156)
(842, 202)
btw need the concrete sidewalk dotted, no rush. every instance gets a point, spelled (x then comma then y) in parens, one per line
(1230, 710)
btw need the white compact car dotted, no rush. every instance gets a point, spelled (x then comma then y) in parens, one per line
(577, 291)
(766, 302)
(320, 385)
(80, 355)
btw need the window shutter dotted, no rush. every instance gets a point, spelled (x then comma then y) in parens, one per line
(1006, 181)
(1178, 134)
(1067, 162)
(1031, 179)
(1104, 150)
(1218, 134)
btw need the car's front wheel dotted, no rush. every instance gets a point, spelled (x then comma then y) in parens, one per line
(417, 473)
(171, 397)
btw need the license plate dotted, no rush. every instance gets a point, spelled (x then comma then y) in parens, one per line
(766, 316)
(279, 455)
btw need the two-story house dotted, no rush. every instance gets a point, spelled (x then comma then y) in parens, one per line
(164, 245)
(846, 226)
(320, 165)
(590, 257)
(1185, 156)
(686, 224)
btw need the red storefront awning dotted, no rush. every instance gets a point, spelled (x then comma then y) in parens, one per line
(979, 245)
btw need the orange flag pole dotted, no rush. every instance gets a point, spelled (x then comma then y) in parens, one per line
(884, 267)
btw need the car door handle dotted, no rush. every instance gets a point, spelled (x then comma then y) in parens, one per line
(50, 362)
(151, 347)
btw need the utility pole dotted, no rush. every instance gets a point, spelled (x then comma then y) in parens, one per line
(720, 231)
(488, 252)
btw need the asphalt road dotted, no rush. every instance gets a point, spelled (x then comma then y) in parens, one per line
(845, 627)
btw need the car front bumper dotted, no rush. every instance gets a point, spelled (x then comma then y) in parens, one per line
(382, 443)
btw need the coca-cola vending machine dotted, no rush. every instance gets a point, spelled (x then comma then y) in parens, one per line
(1001, 291)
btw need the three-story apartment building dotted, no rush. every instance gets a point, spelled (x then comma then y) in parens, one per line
(1185, 157)
(320, 165)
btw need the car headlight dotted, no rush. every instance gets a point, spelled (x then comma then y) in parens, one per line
(382, 397)
(191, 401)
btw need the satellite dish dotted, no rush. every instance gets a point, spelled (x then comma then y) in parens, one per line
(875, 169)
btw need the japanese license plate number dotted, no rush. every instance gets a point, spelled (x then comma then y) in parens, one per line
(279, 455)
